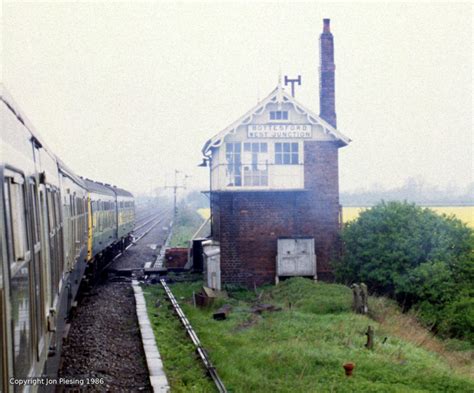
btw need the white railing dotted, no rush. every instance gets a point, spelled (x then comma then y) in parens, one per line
(257, 177)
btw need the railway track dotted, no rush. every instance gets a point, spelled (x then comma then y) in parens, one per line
(202, 353)
(145, 227)
(143, 215)
(104, 343)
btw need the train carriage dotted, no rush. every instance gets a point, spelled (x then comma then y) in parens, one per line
(103, 211)
(125, 212)
(47, 214)
(74, 207)
(31, 247)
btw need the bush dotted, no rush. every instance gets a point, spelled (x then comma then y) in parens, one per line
(187, 223)
(417, 257)
(458, 318)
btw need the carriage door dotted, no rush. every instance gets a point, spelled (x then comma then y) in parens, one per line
(296, 257)
(39, 287)
(19, 256)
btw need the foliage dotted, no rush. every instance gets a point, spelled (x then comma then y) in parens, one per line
(197, 200)
(187, 223)
(417, 257)
(302, 347)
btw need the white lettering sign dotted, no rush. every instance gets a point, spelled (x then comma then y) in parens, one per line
(279, 131)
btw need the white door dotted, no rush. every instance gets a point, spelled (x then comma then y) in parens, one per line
(296, 257)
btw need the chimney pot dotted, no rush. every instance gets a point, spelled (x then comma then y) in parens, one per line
(326, 28)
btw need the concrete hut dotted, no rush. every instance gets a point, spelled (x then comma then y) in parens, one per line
(274, 188)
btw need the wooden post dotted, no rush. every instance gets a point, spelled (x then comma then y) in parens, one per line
(356, 298)
(370, 337)
(365, 298)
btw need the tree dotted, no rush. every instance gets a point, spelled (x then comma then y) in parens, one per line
(413, 255)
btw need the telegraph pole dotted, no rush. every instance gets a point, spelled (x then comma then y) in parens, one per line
(175, 191)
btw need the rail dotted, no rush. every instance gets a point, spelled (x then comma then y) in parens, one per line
(147, 221)
(194, 338)
(158, 218)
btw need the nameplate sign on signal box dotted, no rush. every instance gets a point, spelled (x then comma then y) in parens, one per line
(279, 131)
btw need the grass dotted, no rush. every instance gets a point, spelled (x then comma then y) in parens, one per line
(184, 372)
(457, 353)
(302, 347)
(187, 223)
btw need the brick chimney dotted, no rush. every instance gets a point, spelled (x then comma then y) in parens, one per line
(327, 100)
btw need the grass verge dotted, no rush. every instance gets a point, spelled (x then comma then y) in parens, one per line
(183, 370)
(302, 347)
(187, 223)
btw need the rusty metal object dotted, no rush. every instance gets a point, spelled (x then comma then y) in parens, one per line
(203, 300)
(348, 368)
(207, 295)
(222, 313)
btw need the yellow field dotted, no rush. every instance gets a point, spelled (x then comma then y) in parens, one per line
(464, 213)
(204, 213)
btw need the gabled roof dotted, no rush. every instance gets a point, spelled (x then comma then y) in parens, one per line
(278, 95)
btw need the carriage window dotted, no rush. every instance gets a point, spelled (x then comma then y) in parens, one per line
(15, 201)
(20, 312)
(2, 330)
(35, 213)
(57, 210)
(51, 218)
(19, 274)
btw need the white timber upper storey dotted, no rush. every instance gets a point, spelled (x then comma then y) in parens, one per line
(264, 149)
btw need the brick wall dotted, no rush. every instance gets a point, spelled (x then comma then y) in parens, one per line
(248, 224)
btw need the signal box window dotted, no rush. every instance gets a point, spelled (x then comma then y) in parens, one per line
(255, 164)
(286, 153)
(234, 163)
(278, 115)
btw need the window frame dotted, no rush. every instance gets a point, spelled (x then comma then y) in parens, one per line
(234, 163)
(287, 153)
(279, 115)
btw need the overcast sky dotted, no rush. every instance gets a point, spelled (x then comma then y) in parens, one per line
(127, 92)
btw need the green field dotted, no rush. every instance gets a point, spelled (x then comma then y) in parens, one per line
(302, 347)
